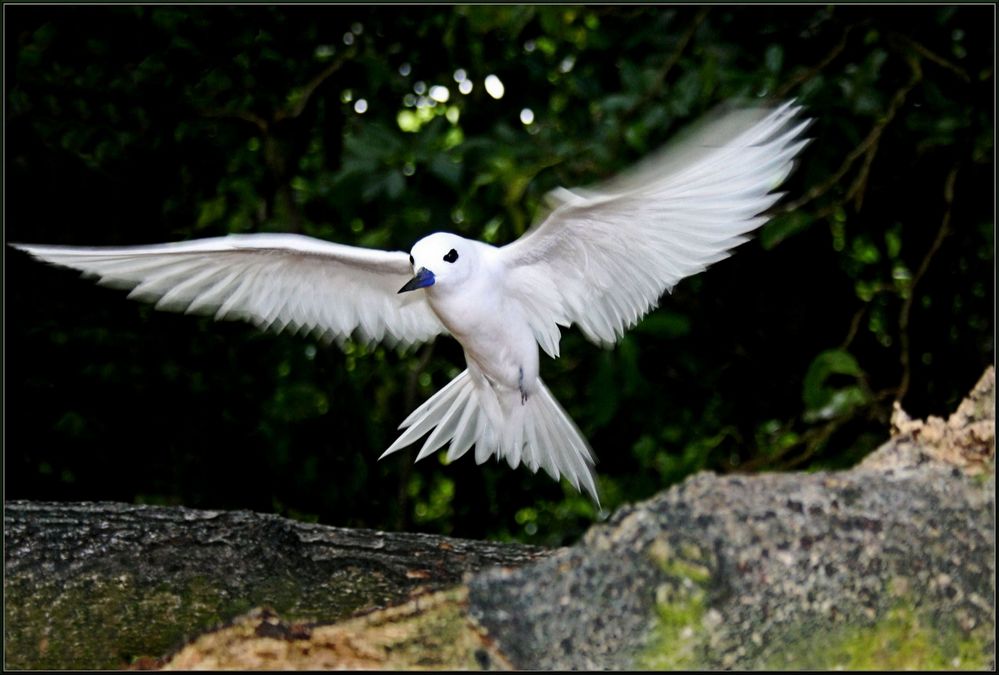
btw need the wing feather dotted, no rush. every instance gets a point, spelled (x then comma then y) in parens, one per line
(603, 257)
(277, 281)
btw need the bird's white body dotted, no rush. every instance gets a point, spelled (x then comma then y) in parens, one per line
(499, 404)
(600, 260)
(488, 323)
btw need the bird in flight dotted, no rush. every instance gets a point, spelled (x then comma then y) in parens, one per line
(600, 259)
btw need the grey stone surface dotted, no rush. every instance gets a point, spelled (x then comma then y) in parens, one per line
(889, 565)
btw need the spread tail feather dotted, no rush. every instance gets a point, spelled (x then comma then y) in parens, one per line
(535, 432)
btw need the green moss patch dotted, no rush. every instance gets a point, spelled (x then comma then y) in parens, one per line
(903, 639)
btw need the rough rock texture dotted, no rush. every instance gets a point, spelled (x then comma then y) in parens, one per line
(777, 571)
(98, 585)
(966, 440)
(890, 565)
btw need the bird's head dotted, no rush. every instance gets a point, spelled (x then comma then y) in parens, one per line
(441, 260)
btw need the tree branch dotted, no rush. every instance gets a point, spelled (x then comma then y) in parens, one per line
(905, 356)
(653, 91)
(866, 148)
(224, 113)
(306, 93)
(859, 185)
(851, 332)
(923, 51)
(806, 75)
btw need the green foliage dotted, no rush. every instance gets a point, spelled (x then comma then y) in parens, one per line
(141, 124)
(825, 400)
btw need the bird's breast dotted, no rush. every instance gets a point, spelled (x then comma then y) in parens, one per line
(494, 334)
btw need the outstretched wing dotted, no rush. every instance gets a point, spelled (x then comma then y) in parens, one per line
(277, 281)
(602, 258)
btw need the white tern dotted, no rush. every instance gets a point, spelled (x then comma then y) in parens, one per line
(600, 259)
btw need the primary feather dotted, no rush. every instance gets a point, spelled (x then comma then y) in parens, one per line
(603, 257)
(277, 281)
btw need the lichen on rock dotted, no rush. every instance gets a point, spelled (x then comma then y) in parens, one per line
(428, 632)
(967, 439)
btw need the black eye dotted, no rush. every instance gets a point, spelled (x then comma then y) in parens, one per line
(411, 261)
(451, 256)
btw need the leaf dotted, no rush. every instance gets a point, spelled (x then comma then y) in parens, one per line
(665, 324)
(447, 170)
(618, 102)
(211, 211)
(824, 400)
(782, 227)
(774, 58)
(840, 402)
(395, 184)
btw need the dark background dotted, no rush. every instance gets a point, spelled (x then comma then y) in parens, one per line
(129, 125)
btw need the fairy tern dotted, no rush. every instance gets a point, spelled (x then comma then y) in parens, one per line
(600, 260)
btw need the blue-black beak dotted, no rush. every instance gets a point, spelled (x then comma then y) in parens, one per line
(423, 278)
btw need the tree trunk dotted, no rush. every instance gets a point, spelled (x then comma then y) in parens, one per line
(98, 585)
